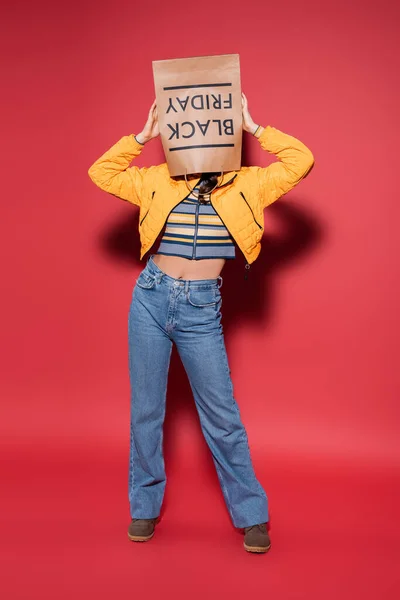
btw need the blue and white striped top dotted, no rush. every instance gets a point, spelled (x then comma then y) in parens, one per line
(194, 230)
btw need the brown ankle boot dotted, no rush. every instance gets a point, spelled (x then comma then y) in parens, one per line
(141, 530)
(256, 538)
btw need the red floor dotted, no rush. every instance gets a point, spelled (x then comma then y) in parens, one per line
(335, 533)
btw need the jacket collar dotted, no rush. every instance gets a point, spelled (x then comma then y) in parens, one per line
(179, 182)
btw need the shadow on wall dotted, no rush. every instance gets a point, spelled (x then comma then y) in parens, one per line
(251, 300)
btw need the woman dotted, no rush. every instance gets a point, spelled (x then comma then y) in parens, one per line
(177, 299)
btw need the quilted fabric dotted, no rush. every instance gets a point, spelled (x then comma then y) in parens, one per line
(240, 200)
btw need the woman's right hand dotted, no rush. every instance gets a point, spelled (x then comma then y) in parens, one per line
(151, 129)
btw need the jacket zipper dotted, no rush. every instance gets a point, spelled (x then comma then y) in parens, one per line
(196, 225)
(247, 266)
(252, 212)
(152, 196)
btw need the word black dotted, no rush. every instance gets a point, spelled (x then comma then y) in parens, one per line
(190, 128)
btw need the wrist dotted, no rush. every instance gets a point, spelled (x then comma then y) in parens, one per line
(141, 138)
(251, 127)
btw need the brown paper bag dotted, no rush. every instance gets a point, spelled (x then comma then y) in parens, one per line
(199, 107)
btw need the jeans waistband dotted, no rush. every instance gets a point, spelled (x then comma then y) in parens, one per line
(188, 283)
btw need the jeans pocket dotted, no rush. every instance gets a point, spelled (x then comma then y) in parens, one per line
(203, 297)
(145, 280)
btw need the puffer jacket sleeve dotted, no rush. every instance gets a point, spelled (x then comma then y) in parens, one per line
(294, 163)
(111, 172)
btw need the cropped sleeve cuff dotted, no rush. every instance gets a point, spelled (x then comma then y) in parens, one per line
(138, 145)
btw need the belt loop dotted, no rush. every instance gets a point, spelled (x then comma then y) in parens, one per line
(186, 286)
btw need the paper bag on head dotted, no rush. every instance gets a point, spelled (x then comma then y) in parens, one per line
(199, 107)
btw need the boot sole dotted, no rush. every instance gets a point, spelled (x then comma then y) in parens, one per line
(257, 549)
(140, 538)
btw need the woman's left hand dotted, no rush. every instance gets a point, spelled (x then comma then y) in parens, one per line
(248, 123)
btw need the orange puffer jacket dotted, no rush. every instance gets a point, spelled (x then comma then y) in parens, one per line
(239, 200)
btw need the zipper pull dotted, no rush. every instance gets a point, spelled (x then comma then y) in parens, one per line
(246, 273)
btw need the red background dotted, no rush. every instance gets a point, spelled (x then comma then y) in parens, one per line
(312, 336)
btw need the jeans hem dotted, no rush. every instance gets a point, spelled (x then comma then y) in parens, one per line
(250, 523)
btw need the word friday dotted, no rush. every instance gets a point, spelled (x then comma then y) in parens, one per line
(187, 129)
(200, 102)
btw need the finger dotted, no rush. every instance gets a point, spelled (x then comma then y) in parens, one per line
(152, 108)
(153, 115)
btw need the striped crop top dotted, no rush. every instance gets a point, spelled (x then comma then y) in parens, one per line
(194, 230)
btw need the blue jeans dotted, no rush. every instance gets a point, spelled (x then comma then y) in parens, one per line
(163, 311)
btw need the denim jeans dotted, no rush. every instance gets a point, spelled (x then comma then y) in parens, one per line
(163, 311)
